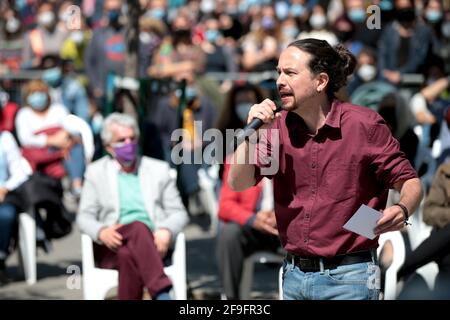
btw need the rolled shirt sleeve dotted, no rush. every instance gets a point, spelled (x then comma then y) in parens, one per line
(389, 162)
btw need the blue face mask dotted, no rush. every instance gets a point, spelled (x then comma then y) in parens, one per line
(38, 100)
(52, 76)
(297, 10)
(212, 35)
(253, 3)
(357, 15)
(433, 16)
(157, 13)
(281, 10)
(290, 32)
(190, 94)
(113, 16)
(386, 5)
(21, 4)
(242, 110)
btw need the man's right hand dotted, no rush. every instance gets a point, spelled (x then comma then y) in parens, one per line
(265, 222)
(264, 111)
(110, 237)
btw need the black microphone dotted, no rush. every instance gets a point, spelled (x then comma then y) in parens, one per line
(254, 125)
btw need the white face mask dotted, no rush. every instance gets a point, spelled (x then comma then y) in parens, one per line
(145, 37)
(367, 72)
(64, 16)
(207, 6)
(77, 36)
(46, 19)
(318, 21)
(12, 25)
(446, 29)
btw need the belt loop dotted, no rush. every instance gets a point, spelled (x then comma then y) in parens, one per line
(322, 269)
(293, 260)
(373, 253)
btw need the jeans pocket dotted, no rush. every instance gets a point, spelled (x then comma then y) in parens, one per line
(356, 274)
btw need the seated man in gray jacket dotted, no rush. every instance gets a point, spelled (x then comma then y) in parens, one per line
(131, 208)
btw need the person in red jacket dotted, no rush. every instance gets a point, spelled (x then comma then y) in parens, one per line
(247, 225)
(8, 110)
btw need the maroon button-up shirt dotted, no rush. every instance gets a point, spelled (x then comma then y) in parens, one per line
(323, 179)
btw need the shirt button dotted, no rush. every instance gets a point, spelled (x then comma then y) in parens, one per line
(313, 165)
(305, 240)
(307, 216)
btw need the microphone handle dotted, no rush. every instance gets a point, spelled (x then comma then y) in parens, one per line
(254, 125)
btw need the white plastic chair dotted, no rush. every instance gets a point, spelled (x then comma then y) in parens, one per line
(280, 283)
(391, 289)
(27, 246)
(77, 126)
(207, 180)
(97, 281)
(249, 266)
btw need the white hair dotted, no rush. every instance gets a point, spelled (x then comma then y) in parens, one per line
(121, 119)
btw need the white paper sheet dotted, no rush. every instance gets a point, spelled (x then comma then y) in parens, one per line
(364, 221)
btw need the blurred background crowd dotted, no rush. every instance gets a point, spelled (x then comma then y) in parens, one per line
(169, 63)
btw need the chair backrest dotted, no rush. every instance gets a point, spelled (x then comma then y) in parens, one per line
(398, 245)
(280, 283)
(262, 257)
(76, 125)
(97, 281)
(207, 179)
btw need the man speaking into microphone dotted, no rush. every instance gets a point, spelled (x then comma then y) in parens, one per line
(332, 158)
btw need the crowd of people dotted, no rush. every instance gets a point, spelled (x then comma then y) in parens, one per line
(60, 58)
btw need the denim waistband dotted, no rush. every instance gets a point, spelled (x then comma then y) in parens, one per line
(313, 264)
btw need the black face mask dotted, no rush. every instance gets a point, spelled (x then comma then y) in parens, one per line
(344, 36)
(235, 31)
(405, 16)
(114, 18)
(182, 36)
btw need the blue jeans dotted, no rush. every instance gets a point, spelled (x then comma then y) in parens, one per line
(359, 281)
(75, 164)
(7, 219)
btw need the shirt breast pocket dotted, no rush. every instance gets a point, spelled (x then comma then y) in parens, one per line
(341, 180)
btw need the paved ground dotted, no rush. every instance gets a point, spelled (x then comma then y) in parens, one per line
(53, 273)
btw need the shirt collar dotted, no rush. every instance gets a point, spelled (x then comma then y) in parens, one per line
(118, 167)
(333, 120)
(334, 116)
